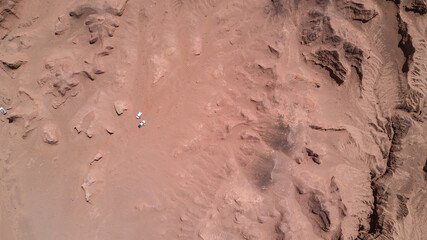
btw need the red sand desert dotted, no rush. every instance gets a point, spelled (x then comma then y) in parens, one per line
(264, 119)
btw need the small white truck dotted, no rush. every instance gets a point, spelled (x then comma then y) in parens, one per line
(139, 115)
(142, 123)
(3, 111)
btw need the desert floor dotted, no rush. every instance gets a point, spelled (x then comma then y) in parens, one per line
(264, 119)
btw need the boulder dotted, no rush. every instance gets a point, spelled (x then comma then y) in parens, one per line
(120, 107)
(50, 133)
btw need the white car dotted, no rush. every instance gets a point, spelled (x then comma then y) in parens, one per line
(142, 123)
(139, 115)
(3, 111)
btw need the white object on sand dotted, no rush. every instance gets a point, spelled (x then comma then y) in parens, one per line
(3, 111)
(139, 115)
(142, 123)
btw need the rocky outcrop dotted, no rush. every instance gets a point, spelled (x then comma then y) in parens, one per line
(62, 25)
(330, 60)
(100, 26)
(96, 158)
(89, 180)
(354, 56)
(13, 65)
(50, 133)
(318, 29)
(332, 51)
(115, 8)
(356, 11)
(324, 209)
(314, 156)
(120, 107)
(101, 20)
(388, 203)
(60, 80)
(85, 123)
(7, 10)
(417, 6)
(397, 2)
(414, 48)
(405, 44)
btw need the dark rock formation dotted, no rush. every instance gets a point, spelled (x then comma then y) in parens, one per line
(405, 44)
(13, 65)
(354, 55)
(384, 197)
(356, 11)
(330, 60)
(397, 2)
(417, 6)
(318, 29)
(401, 125)
(314, 156)
(402, 210)
(320, 214)
(316, 211)
(425, 167)
(318, 32)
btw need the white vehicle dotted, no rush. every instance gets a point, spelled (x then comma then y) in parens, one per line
(3, 111)
(139, 115)
(142, 123)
